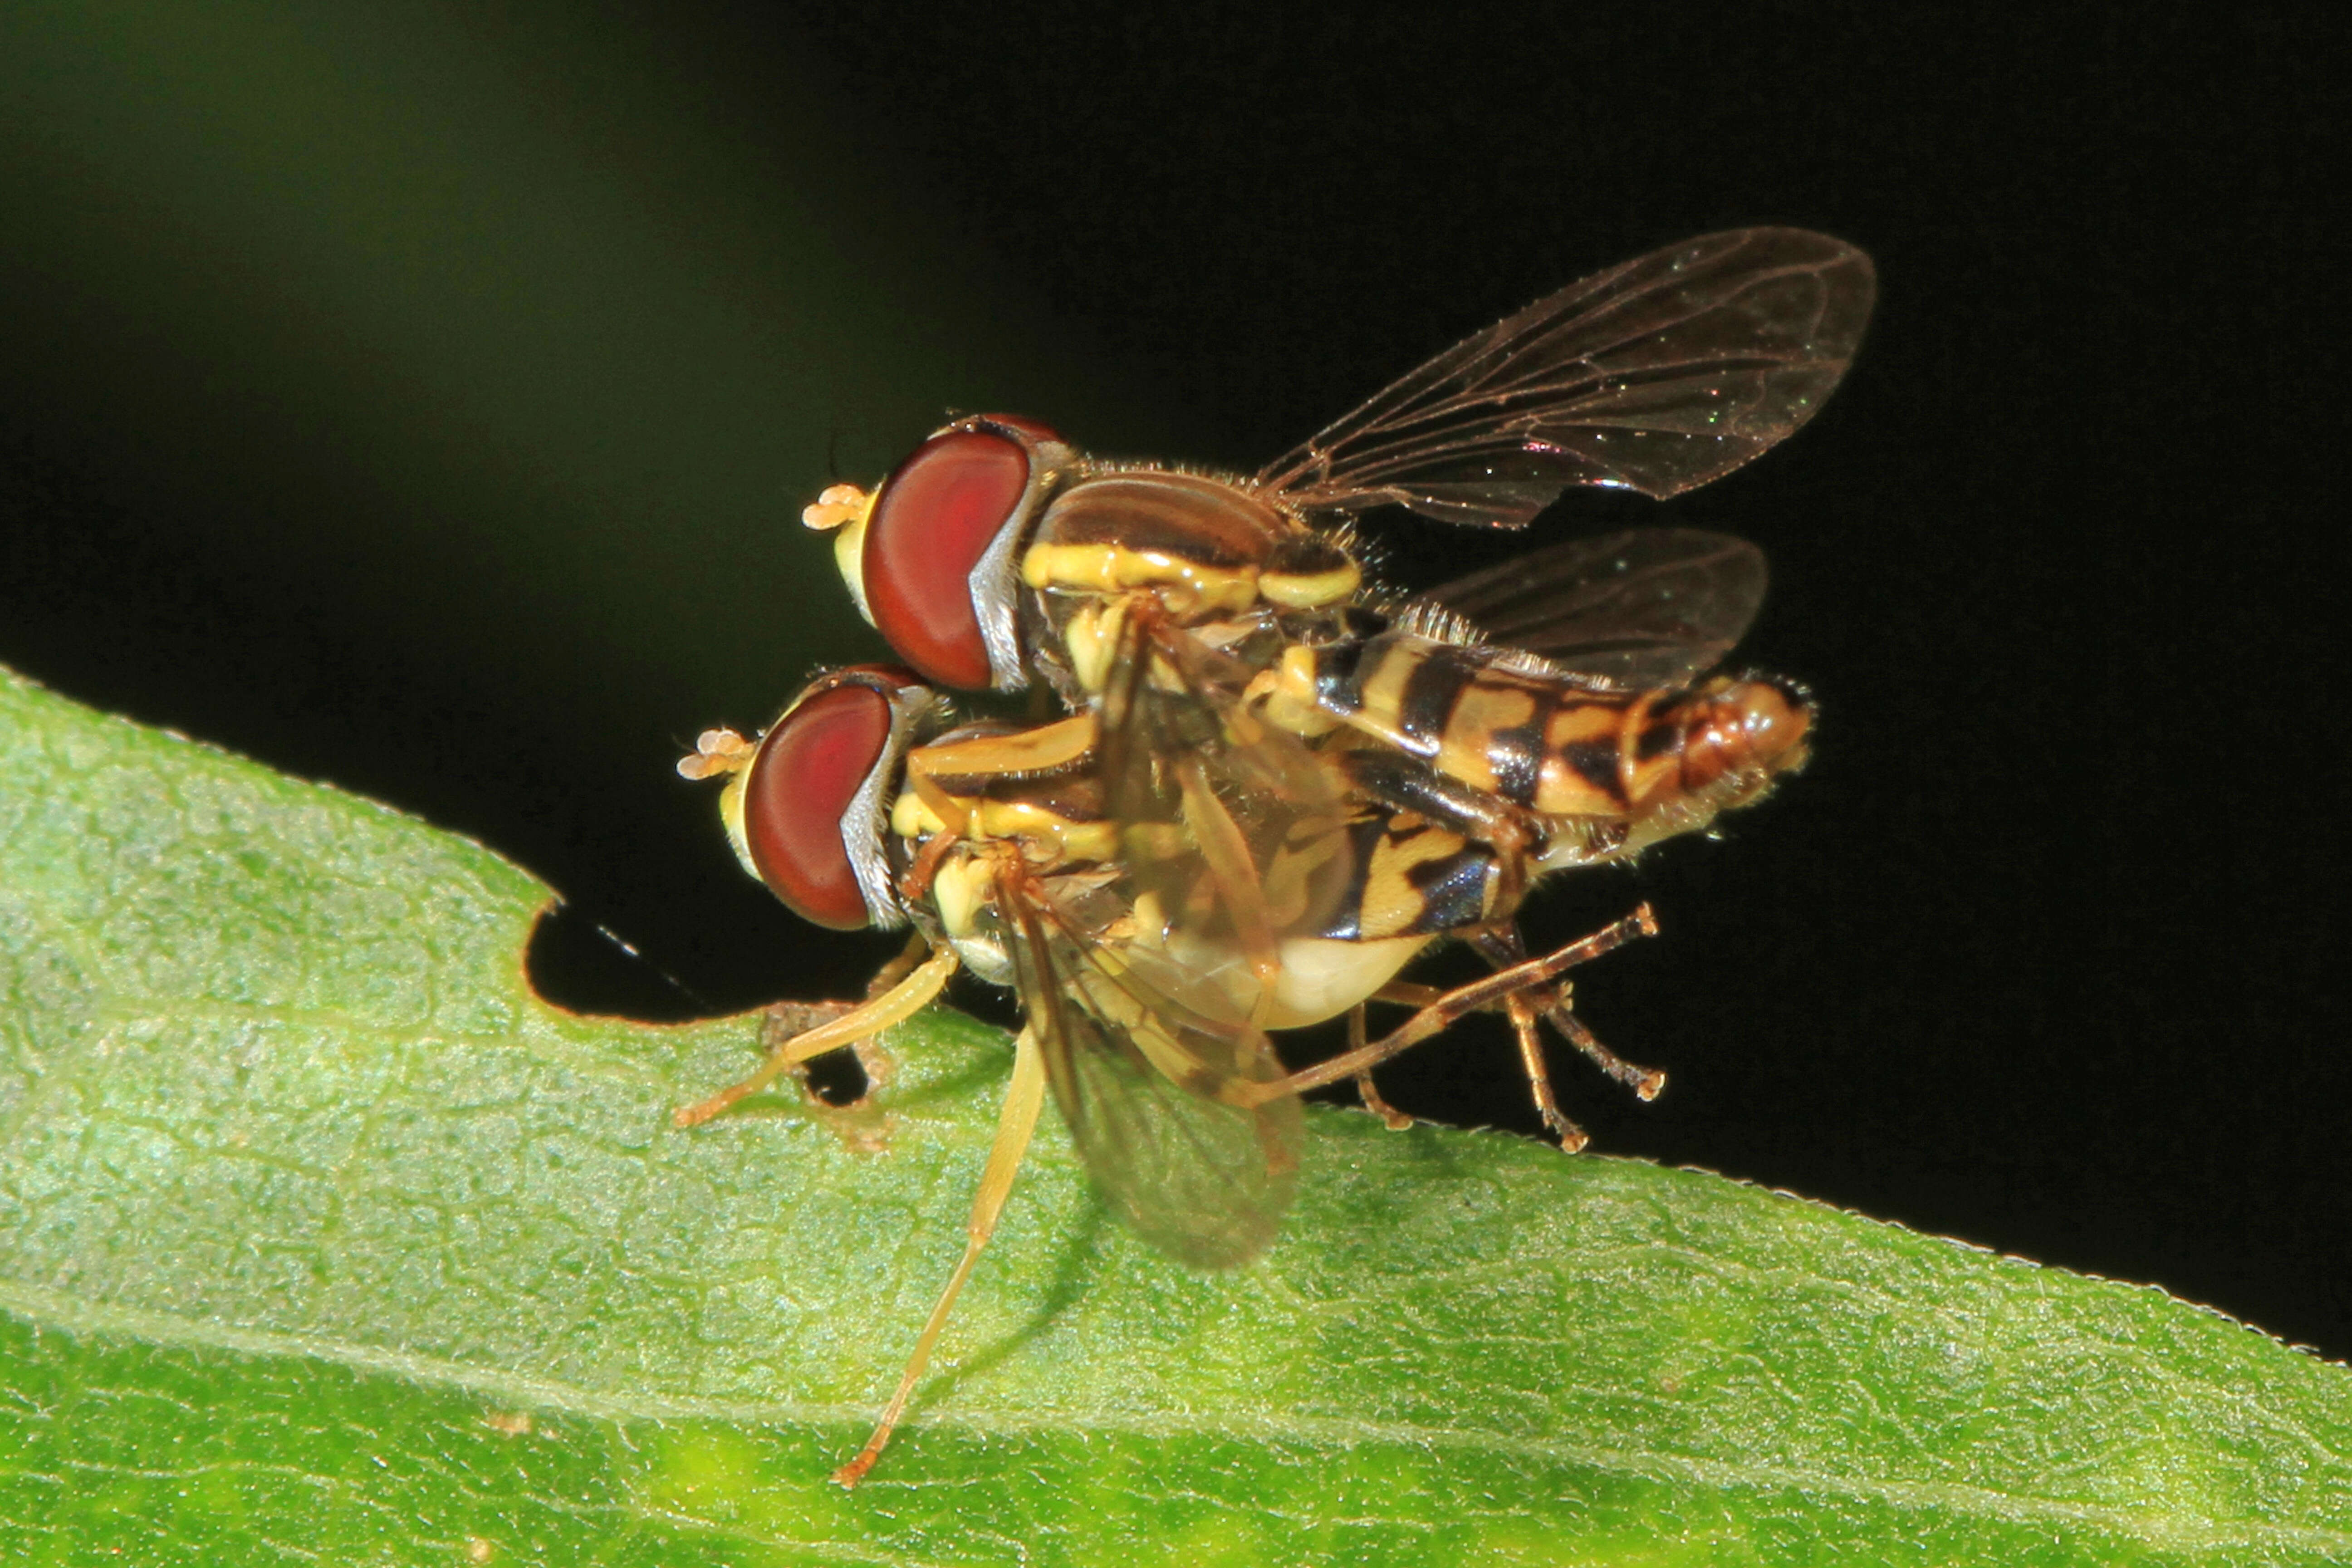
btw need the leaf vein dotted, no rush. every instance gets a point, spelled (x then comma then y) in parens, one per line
(67, 1313)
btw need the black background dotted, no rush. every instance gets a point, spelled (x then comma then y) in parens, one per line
(2045, 949)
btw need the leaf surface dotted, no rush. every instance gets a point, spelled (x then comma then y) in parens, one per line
(323, 1239)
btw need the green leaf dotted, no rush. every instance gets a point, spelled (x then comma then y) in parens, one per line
(323, 1239)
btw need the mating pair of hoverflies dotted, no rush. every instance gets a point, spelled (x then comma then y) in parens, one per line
(1279, 781)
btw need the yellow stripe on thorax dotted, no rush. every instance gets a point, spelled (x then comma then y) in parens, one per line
(1062, 839)
(1310, 590)
(1047, 749)
(1186, 587)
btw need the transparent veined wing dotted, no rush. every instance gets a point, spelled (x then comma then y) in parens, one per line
(1656, 375)
(1195, 780)
(1152, 1066)
(1649, 607)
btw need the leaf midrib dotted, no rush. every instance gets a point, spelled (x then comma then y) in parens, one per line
(75, 1315)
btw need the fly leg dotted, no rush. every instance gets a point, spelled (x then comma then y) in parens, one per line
(909, 959)
(1523, 1028)
(1503, 948)
(1645, 1082)
(1445, 1009)
(1015, 1123)
(902, 1001)
(1523, 1010)
(1397, 1119)
(787, 1020)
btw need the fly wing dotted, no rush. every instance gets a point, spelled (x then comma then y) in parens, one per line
(1656, 375)
(1153, 1071)
(1654, 607)
(1192, 777)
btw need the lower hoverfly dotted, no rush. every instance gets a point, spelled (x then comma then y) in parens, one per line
(1152, 946)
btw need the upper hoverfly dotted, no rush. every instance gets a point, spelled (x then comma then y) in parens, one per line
(996, 550)
(1147, 994)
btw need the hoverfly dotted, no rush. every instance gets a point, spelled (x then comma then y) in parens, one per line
(1152, 949)
(996, 549)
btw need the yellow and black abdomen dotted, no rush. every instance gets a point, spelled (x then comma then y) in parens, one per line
(1555, 745)
(1407, 877)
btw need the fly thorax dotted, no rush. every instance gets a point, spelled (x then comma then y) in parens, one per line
(986, 956)
(1201, 545)
(996, 755)
(1256, 637)
(912, 818)
(964, 894)
(1187, 588)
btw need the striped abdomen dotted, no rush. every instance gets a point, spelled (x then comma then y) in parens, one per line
(1410, 878)
(1549, 744)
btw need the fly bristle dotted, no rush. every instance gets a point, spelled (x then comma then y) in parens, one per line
(1428, 618)
(1092, 464)
(1520, 661)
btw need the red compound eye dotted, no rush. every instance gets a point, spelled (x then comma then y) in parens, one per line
(936, 517)
(796, 803)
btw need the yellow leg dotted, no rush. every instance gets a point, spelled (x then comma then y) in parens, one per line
(911, 958)
(1523, 1007)
(1502, 949)
(1645, 1082)
(1523, 1025)
(1365, 1090)
(901, 1001)
(1015, 1123)
(1455, 1003)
